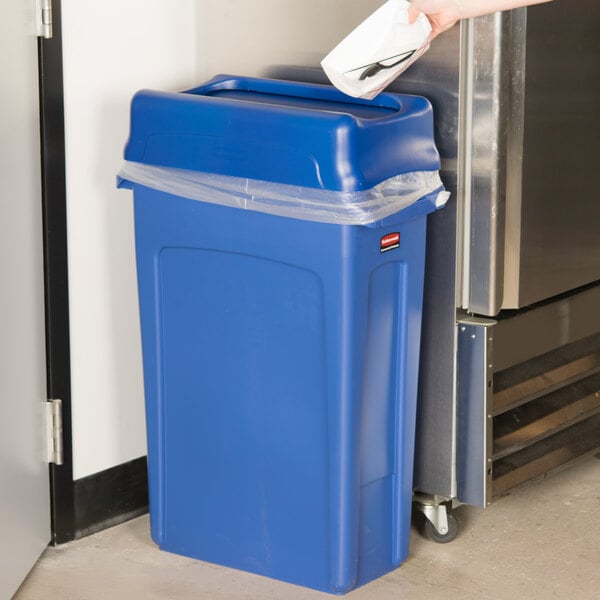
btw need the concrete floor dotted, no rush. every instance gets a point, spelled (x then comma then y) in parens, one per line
(540, 542)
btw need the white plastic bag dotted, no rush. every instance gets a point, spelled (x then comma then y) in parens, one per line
(297, 202)
(377, 51)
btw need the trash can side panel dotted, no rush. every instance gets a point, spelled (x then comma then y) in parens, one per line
(246, 404)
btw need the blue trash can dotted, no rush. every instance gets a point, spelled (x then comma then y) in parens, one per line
(280, 292)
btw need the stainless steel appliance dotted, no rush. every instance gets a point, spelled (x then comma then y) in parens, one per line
(509, 383)
(509, 386)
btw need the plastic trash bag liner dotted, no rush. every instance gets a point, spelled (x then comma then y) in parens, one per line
(297, 202)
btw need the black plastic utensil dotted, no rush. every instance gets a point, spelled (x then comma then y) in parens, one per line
(374, 68)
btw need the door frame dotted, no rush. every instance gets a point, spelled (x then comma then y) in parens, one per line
(54, 207)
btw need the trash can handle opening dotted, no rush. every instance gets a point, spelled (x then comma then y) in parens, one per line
(300, 90)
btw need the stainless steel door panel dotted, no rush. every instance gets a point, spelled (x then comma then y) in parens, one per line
(559, 235)
(529, 105)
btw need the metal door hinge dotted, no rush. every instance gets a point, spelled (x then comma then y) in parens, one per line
(55, 431)
(44, 18)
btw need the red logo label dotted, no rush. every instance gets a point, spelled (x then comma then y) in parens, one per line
(389, 242)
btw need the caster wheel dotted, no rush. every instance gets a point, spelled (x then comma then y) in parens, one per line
(431, 533)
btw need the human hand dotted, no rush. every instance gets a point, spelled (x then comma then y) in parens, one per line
(442, 14)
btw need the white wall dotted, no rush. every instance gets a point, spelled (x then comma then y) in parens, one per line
(111, 49)
(241, 37)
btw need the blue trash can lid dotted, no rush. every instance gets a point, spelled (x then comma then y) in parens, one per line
(283, 132)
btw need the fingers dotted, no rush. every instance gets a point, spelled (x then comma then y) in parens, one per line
(413, 13)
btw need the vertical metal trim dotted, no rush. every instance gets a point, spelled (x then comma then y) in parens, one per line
(474, 411)
(488, 180)
(454, 427)
(514, 159)
(488, 332)
(465, 171)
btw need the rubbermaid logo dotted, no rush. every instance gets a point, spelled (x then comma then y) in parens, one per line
(389, 242)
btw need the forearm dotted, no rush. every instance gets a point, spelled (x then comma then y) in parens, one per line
(475, 8)
(443, 14)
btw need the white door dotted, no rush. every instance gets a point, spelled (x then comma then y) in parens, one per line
(24, 481)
